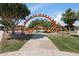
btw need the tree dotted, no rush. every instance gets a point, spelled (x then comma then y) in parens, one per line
(44, 22)
(47, 24)
(77, 15)
(5, 24)
(13, 13)
(69, 17)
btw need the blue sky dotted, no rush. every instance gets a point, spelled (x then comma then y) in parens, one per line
(54, 10)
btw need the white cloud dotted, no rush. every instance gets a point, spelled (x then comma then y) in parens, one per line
(58, 19)
(76, 23)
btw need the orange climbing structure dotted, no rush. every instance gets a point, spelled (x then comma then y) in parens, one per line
(55, 27)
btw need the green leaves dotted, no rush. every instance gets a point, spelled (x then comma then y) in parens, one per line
(77, 15)
(69, 17)
(43, 22)
(12, 12)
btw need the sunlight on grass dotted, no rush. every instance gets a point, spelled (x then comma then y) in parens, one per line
(66, 42)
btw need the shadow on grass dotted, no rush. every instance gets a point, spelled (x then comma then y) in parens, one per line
(75, 35)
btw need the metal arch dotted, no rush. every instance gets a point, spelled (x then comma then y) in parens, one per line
(39, 15)
(55, 27)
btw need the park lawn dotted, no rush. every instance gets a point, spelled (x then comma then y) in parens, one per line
(66, 42)
(11, 45)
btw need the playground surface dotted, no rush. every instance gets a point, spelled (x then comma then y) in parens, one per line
(39, 45)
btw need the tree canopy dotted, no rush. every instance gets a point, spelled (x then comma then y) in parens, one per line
(11, 13)
(69, 17)
(43, 22)
(77, 15)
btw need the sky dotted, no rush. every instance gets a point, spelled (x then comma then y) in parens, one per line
(53, 10)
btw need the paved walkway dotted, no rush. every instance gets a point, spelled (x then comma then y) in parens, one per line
(39, 45)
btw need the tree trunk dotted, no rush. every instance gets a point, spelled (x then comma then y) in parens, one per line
(13, 30)
(22, 30)
(7, 30)
(69, 28)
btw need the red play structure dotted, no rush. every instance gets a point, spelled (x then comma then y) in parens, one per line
(55, 27)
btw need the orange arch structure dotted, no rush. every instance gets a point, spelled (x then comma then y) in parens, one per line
(54, 25)
(38, 15)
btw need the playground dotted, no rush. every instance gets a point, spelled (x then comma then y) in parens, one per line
(53, 41)
(38, 34)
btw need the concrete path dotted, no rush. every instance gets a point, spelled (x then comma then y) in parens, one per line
(39, 45)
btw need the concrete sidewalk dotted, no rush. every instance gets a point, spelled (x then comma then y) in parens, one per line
(40, 47)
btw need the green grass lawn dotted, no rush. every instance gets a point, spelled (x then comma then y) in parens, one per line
(13, 44)
(65, 42)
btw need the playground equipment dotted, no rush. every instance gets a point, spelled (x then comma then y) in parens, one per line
(55, 27)
(36, 28)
